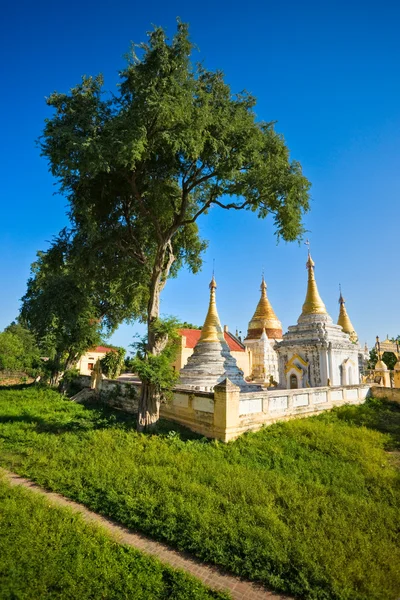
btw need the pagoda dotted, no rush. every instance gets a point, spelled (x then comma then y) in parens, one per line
(211, 361)
(263, 332)
(316, 352)
(344, 320)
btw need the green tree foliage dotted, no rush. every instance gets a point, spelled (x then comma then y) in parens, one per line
(113, 362)
(60, 310)
(140, 167)
(11, 352)
(19, 350)
(186, 325)
(155, 368)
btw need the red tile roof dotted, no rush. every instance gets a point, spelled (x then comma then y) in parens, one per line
(193, 335)
(101, 349)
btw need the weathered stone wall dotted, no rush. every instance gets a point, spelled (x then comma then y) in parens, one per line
(116, 394)
(385, 392)
(226, 413)
(256, 410)
(194, 410)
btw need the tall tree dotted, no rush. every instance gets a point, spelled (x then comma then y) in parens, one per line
(139, 168)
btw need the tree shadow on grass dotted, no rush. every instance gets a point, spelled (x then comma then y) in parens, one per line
(15, 386)
(164, 428)
(98, 416)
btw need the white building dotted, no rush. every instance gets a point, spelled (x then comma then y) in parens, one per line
(316, 352)
(87, 361)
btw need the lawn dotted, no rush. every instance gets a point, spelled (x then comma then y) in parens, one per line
(310, 507)
(50, 552)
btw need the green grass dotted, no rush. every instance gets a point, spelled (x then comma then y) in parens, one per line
(310, 507)
(50, 552)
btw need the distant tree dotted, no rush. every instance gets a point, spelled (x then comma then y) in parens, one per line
(60, 311)
(113, 362)
(139, 168)
(11, 352)
(29, 359)
(186, 325)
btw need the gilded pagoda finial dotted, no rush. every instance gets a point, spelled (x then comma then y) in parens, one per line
(263, 286)
(344, 319)
(264, 317)
(211, 330)
(313, 304)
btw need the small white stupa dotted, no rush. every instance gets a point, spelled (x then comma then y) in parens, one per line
(211, 361)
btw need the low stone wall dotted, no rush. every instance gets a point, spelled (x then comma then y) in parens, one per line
(226, 413)
(387, 393)
(281, 405)
(116, 394)
(194, 410)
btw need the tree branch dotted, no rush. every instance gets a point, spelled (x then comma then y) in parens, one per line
(171, 259)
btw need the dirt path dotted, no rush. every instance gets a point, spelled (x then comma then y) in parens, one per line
(211, 576)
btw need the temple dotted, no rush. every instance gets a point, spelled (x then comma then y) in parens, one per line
(316, 352)
(227, 387)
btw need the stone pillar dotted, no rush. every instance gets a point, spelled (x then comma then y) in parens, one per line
(382, 371)
(226, 410)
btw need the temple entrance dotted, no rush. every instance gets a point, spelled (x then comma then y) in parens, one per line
(294, 384)
(387, 346)
(388, 376)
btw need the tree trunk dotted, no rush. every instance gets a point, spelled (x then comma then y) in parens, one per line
(150, 396)
(55, 378)
(149, 407)
(58, 373)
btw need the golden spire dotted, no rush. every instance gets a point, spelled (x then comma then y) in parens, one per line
(313, 304)
(344, 319)
(264, 317)
(211, 330)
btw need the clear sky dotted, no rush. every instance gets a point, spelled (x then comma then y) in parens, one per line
(327, 72)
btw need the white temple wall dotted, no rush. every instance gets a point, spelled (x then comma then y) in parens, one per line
(252, 410)
(264, 359)
(324, 364)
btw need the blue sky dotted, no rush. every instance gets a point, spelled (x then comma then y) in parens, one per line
(327, 72)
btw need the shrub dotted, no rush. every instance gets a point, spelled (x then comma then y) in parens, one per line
(113, 362)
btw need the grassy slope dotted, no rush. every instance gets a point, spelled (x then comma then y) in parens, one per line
(50, 552)
(310, 506)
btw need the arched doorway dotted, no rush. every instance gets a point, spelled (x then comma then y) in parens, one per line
(294, 383)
